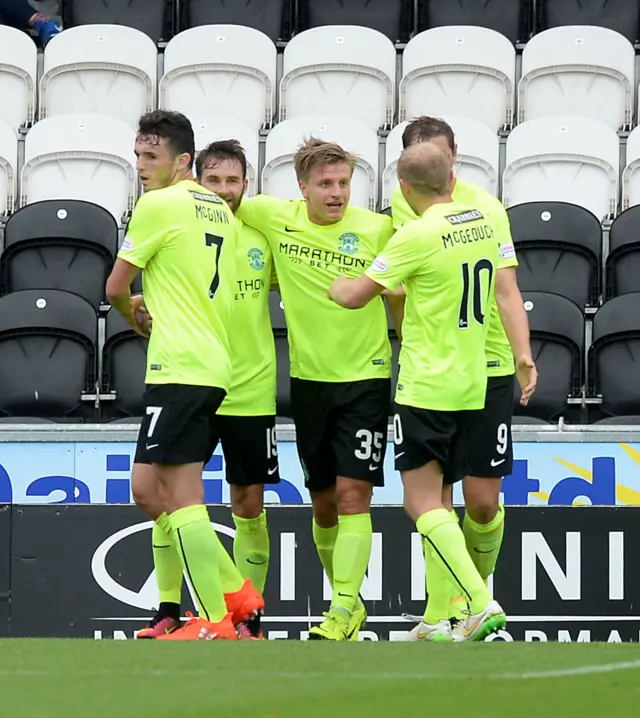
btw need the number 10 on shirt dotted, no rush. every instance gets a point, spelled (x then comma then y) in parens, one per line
(469, 278)
(213, 240)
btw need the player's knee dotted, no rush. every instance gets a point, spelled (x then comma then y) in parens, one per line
(247, 502)
(353, 497)
(482, 508)
(325, 508)
(146, 490)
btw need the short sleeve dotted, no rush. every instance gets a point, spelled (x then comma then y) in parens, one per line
(403, 256)
(502, 227)
(258, 212)
(146, 231)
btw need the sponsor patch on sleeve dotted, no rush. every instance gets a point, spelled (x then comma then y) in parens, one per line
(379, 264)
(126, 245)
(507, 251)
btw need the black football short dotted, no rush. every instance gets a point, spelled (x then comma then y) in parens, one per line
(249, 448)
(488, 449)
(178, 425)
(341, 429)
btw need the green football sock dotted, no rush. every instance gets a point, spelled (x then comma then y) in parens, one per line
(457, 602)
(444, 536)
(166, 561)
(484, 541)
(325, 541)
(199, 550)
(251, 548)
(438, 588)
(230, 578)
(351, 559)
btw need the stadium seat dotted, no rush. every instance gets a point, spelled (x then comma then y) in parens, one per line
(8, 168)
(559, 248)
(47, 353)
(221, 68)
(630, 174)
(619, 15)
(279, 326)
(106, 69)
(390, 17)
(571, 159)
(620, 421)
(209, 128)
(124, 363)
(278, 176)
(478, 158)
(511, 18)
(339, 70)
(524, 420)
(622, 266)
(614, 356)
(81, 156)
(272, 17)
(276, 311)
(465, 70)
(579, 70)
(59, 244)
(18, 72)
(557, 341)
(153, 17)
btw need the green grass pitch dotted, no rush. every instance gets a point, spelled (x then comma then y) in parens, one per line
(52, 678)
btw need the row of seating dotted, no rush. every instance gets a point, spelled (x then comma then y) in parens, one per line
(71, 245)
(90, 157)
(52, 363)
(585, 71)
(398, 19)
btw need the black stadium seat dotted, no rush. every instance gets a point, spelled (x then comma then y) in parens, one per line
(153, 17)
(124, 363)
(557, 341)
(279, 326)
(622, 268)
(277, 312)
(614, 356)
(48, 344)
(511, 18)
(623, 16)
(620, 421)
(391, 17)
(559, 247)
(59, 244)
(272, 17)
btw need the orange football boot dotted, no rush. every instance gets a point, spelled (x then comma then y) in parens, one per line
(199, 629)
(246, 606)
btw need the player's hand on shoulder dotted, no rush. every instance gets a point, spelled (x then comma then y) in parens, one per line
(527, 376)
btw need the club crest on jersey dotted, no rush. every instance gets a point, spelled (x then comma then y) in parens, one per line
(256, 259)
(348, 243)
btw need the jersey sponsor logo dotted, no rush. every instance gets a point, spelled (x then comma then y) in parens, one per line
(126, 245)
(462, 217)
(206, 197)
(256, 259)
(320, 257)
(379, 264)
(467, 236)
(348, 243)
(507, 251)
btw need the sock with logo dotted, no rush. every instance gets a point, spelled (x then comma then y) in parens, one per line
(438, 588)
(251, 548)
(484, 542)
(199, 550)
(457, 602)
(168, 567)
(325, 541)
(439, 529)
(351, 559)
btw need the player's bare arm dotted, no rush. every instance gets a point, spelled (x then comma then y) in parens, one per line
(354, 293)
(119, 295)
(516, 326)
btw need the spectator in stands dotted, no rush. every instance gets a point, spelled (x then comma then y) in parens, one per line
(21, 15)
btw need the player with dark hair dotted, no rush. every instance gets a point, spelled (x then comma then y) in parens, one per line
(185, 238)
(447, 261)
(340, 364)
(488, 454)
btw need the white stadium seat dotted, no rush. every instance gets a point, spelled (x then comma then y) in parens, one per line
(341, 70)
(278, 176)
(630, 174)
(478, 155)
(18, 72)
(210, 128)
(221, 68)
(8, 168)
(105, 69)
(81, 156)
(459, 70)
(578, 70)
(566, 159)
